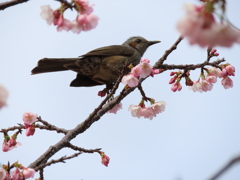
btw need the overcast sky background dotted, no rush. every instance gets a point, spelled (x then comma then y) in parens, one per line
(196, 135)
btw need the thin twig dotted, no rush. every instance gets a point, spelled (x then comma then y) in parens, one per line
(226, 167)
(50, 126)
(76, 148)
(7, 4)
(167, 52)
(66, 3)
(62, 159)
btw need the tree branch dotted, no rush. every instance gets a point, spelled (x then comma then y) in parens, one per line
(62, 159)
(226, 167)
(7, 4)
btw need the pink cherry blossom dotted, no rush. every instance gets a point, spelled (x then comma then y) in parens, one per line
(196, 87)
(227, 82)
(145, 60)
(76, 28)
(115, 108)
(84, 7)
(87, 22)
(136, 71)
(29, 118)
(28, 173)
(2, 174)
(3, 96)
(230, 70)
(8, 177)
(176, 87)
(211, 78)
(136, 111)
(64, 24)
(148, 113)
(206, 86)
(214, 71)
(47, 14)
(130, 80)
(200, 27)
(105, 159)
(158, 107)
(224, 72)
(16, 174)
(146, 69)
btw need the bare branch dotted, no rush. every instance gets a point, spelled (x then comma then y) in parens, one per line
(76, 148)
(226, 167)
(167, 52)
(7, 4)
(50, 127)
(62, 159)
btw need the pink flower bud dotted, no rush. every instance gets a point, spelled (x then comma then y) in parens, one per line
(102, 93)
(172, 80)
(12, 141)
(30, 130)
(172, 73)
(5, 147)
(105, 159)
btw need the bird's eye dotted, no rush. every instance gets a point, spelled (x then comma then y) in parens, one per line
(138, 41)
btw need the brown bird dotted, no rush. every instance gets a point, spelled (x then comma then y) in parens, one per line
(99, 66)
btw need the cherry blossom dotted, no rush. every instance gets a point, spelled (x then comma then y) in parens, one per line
(2, 174)
(47, 14)
(200, 27)
(83, 6)
(28, 173)
(136, 111)
(130, 80)
(115, 108)
(227, 82)
(29, 118)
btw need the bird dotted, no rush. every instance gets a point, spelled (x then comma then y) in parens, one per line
(101, 66)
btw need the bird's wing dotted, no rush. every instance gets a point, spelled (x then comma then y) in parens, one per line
(114, 50)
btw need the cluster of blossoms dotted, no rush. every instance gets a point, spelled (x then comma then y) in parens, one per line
(200, 27)
(207, 81)
(3, 96)
(147, 112)
(29, 120)
(10, 143)
(25, 173)
(142, 70)
(84, 21)
(105, 159)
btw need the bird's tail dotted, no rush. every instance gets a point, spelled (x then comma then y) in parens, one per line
(53, 64)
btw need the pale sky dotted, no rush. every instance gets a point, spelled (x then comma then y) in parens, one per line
(196, 135)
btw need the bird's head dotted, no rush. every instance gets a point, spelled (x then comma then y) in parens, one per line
(139, 43)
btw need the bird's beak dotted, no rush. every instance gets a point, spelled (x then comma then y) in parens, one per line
(153, 42)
